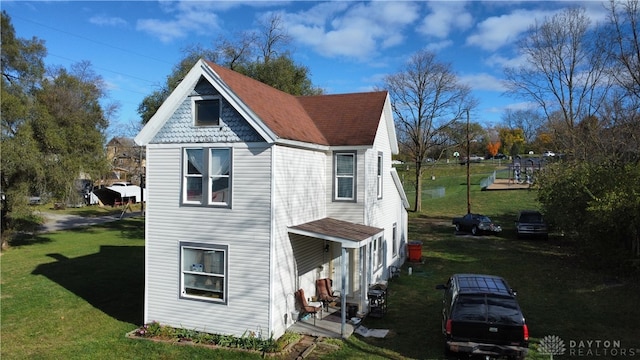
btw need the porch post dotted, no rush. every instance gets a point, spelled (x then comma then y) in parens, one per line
(365, 252)
(343, 292)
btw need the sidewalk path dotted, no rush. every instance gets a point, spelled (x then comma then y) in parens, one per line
(55, 222)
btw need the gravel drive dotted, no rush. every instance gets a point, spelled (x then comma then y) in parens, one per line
(55, 222)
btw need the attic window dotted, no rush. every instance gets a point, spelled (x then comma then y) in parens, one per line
(206, 111)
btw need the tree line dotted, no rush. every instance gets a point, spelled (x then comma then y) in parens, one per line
(581, 79)
(53, 127)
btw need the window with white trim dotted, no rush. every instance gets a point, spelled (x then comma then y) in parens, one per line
(207, 176)
(344, 176)
(377, 252)
(394, 235)
(206, 110)
(203, 271)
(379, 176)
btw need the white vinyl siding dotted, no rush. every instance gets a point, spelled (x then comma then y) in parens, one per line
(244, 230)
(352, 210)
(299, 190)
(382, 204)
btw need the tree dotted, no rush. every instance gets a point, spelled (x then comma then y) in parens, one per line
(426, 98)
(258, 55)
(512, 140)
(152, 102)
(624, 18)
(528, 120)
(70, 128)
(493, 147)
(597, 205)
(52, 125)
(564, 71)
(283, 74)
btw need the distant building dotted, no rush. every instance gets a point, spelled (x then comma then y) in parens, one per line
(127, 160)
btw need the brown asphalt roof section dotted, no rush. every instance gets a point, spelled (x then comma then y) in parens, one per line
(340, 229)
(337, 120)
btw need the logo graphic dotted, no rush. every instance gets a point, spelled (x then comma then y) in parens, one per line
(552, 345)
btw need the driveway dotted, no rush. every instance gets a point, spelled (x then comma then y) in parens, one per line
(55, 222)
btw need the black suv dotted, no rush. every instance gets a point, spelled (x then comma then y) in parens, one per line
(531, 223)
(481, 316)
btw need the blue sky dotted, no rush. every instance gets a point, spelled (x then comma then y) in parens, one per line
(348, 46)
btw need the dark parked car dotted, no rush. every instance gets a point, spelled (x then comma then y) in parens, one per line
(481, 316)
(476, 224)
(531, 223)
(498, 156)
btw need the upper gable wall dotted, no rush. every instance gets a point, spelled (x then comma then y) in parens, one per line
(180, 127)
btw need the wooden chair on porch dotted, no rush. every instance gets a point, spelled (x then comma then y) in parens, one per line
(305, 307)
(325, 293)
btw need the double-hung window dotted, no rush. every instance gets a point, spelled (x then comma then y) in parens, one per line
(207, 176)
(377, 252)
(394, 240)
(203, 271)
(379, 176)
(345, 176)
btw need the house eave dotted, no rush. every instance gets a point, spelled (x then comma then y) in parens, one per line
(398, 183)
(349, 235)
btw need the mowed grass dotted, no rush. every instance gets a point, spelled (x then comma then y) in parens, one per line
(75, 294)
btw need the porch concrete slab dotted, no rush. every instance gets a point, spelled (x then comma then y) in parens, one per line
(328, 327)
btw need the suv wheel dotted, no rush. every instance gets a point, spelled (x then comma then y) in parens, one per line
(457, 227)
(474, 230)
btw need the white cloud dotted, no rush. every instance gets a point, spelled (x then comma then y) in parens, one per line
(439, 45)
(107, 20)
(498, 31)
(357, 30)
(444, 18)
(500, 61)
(483, 82)
(185, 17)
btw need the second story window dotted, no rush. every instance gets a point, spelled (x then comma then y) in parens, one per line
(207, 176)
(379, 176)
(345, 176)
(206, 111)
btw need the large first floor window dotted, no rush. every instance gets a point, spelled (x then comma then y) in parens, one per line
(203, 271)
(207, 176)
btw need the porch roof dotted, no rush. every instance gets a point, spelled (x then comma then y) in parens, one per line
(348, 234)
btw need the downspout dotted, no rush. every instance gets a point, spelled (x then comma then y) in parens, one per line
(343, 293)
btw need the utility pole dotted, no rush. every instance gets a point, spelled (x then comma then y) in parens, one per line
(468, 167)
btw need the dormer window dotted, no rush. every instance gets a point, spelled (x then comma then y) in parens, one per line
(206, 110)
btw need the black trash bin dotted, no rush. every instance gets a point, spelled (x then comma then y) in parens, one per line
(352, 310)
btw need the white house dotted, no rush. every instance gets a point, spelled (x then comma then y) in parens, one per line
(254, 193)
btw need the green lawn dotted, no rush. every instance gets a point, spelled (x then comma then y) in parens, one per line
(74, 294)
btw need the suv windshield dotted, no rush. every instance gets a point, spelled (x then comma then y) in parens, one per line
(483, 308)
(531, 218)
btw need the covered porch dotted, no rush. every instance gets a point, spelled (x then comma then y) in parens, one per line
(328, 325)
(346, 259)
